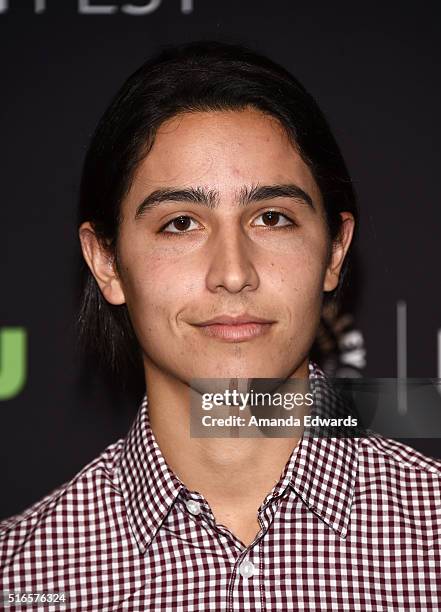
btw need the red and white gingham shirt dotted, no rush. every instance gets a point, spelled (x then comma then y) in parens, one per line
(353, 524)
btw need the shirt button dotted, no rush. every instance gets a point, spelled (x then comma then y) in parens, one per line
(246, 569)
(193, 507)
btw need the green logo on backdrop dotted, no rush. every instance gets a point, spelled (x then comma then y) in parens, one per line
(13, 361)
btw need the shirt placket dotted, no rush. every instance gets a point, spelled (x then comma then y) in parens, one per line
(246, 583)
(246, 590)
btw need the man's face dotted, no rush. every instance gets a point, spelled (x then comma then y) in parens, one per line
(237, 238)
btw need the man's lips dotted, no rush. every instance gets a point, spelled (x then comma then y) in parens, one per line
(225, 319)
(235, 328)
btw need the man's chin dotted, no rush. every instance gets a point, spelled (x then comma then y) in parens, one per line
(226, 372)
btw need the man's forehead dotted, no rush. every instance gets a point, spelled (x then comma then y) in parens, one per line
(238, 136)
(218, 156)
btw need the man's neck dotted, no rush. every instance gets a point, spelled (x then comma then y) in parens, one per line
(233, 474)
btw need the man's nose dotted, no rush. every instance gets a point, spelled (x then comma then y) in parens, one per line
(231, 265)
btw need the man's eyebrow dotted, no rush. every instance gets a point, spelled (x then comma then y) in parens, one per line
(197, 195)
(210, 197)
(258, 193)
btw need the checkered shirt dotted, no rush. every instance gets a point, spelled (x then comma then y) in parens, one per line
(353, 524)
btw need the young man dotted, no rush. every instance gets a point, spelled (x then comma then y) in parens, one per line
(216, 216)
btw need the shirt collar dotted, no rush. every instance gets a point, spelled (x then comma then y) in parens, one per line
(324, 469)
(322, 472)
(148, 485)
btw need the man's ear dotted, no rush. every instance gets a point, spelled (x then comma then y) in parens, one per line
(339, 249)
(101, 265)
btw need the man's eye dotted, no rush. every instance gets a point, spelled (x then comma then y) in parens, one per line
(179, 225)
(184, 223)
(272, 218)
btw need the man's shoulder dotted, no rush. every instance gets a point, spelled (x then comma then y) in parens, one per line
(84, 490)
(399, 456)
(401, 482)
